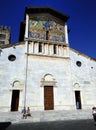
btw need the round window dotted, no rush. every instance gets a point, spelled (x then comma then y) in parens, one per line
(78, 63)
(12, 57)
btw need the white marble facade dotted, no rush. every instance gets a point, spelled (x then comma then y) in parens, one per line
(26, 70)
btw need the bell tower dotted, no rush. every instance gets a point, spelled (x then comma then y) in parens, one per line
(46, 32)
(4, 35)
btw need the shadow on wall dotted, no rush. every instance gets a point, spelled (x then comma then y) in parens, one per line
(4, 125)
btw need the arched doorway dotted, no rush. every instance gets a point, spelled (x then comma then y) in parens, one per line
(77, 96)
(48, 82)
(16, 88)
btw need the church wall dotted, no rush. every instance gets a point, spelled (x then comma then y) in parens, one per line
(84, 76)
(38, 67)
(69, 78)
(11, 71)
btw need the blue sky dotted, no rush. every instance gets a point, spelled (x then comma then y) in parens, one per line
(82, 22)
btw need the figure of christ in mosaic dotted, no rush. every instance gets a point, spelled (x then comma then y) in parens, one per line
(39, 26)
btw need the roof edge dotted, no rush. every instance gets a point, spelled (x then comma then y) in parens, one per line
(46, 9)
(80, 53)
(11, 45)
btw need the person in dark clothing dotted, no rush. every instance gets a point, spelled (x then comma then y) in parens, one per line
(94, 113)
(24, 112)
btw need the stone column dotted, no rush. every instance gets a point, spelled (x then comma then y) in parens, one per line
(43, 48)
(66, 34)
(36, 47)
(51, 49)
(60, 50)
(66, 51)
(26, 27)
(26, 34)
(46, 49)
(32, 47)
(30, 50)
(57, 50)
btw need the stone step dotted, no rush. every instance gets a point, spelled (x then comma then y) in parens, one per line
(42, 116)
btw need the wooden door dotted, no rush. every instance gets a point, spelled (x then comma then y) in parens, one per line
(15, 100)
(48, 98)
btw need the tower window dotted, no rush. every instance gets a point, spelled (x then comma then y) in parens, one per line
(2, 36)
(40, 47)
(54, 49)
(2, 42)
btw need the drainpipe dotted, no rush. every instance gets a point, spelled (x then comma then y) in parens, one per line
(26, 68)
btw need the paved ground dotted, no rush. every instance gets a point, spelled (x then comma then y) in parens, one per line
(55, 125)
(53, 120)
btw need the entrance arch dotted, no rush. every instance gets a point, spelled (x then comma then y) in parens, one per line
(48, 82)
(16, 87)
(77, 93)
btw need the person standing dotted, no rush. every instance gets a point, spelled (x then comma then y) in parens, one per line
(94, 113)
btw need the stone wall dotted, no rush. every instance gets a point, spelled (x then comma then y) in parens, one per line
(10, 72)
(83, 72)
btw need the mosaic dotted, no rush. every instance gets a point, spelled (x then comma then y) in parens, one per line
(39, 25)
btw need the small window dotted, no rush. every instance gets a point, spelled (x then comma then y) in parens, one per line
(40, 47)
(54, 49)
(47, 35)
(11, 57)
(78, 63)
(2, 36)
(2, 42)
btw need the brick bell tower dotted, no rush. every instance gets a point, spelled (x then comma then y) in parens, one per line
(4, 35)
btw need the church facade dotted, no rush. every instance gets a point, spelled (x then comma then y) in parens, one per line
(41, 70)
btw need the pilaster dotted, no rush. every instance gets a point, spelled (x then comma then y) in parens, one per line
(26, 27)
(66, 34)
